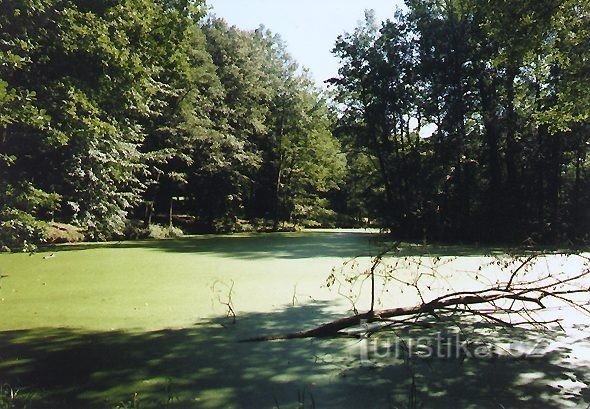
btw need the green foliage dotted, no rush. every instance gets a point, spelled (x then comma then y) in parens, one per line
(136, 230)
(19, 206)
(282, 142)
(20, 230)
(307, 159)
(155, 231)
(501, 83)
(108, 107)
(81, 142)
(113, 110)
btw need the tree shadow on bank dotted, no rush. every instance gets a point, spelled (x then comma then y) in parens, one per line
(205, 366)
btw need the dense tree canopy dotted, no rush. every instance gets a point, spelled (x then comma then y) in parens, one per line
(141, 110)
(504, 83)
(111, 110)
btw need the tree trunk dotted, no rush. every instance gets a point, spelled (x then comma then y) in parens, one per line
(577, 218)
(149, 212)
(540, 176)
(277, 198)
(170, 211)
(511, 126)
(513, 197)
(494, 202)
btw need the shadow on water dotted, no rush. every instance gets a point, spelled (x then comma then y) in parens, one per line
(254, 245)
(205, 367)
(309, 244)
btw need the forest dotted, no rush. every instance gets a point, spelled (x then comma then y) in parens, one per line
(116, 115)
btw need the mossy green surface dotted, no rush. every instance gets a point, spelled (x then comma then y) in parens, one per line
(149, 285)
(91, 326)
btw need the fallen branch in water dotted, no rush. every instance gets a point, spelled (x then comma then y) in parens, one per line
(523, 299)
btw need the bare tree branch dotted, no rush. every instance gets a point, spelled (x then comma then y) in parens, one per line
(520, 296)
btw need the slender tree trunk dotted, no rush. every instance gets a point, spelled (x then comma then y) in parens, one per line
(387, 183)
(554, 185)
(149, 212)
(151, 205)
(277, 198)
(511, 126)
(513, 197)
(494, 202)
(170, 211)
(540, 176)
(577, 214)
(278, 181)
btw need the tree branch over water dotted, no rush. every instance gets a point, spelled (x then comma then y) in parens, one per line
(514, 303)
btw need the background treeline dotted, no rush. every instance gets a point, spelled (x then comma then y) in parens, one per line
(118, 113)
(117, 110)
(507, 84)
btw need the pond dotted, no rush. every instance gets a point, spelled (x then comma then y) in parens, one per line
(146, 324)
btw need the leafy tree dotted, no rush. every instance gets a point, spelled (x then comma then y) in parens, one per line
(244, 64)
(81, 67)
(376, 88)
(113, 107)
(499, 81)
(281, 123)
(21, 198)
(306, 158)
(181, 133)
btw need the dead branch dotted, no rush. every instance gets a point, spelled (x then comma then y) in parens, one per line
(228, 302)
(483, 304)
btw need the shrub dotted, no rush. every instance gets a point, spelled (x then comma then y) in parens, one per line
(21, 207)
(224, 225)
(263, 225)
(243, 226)
(156, 231)
(135, 230)
(20, 230)
(64, 233)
